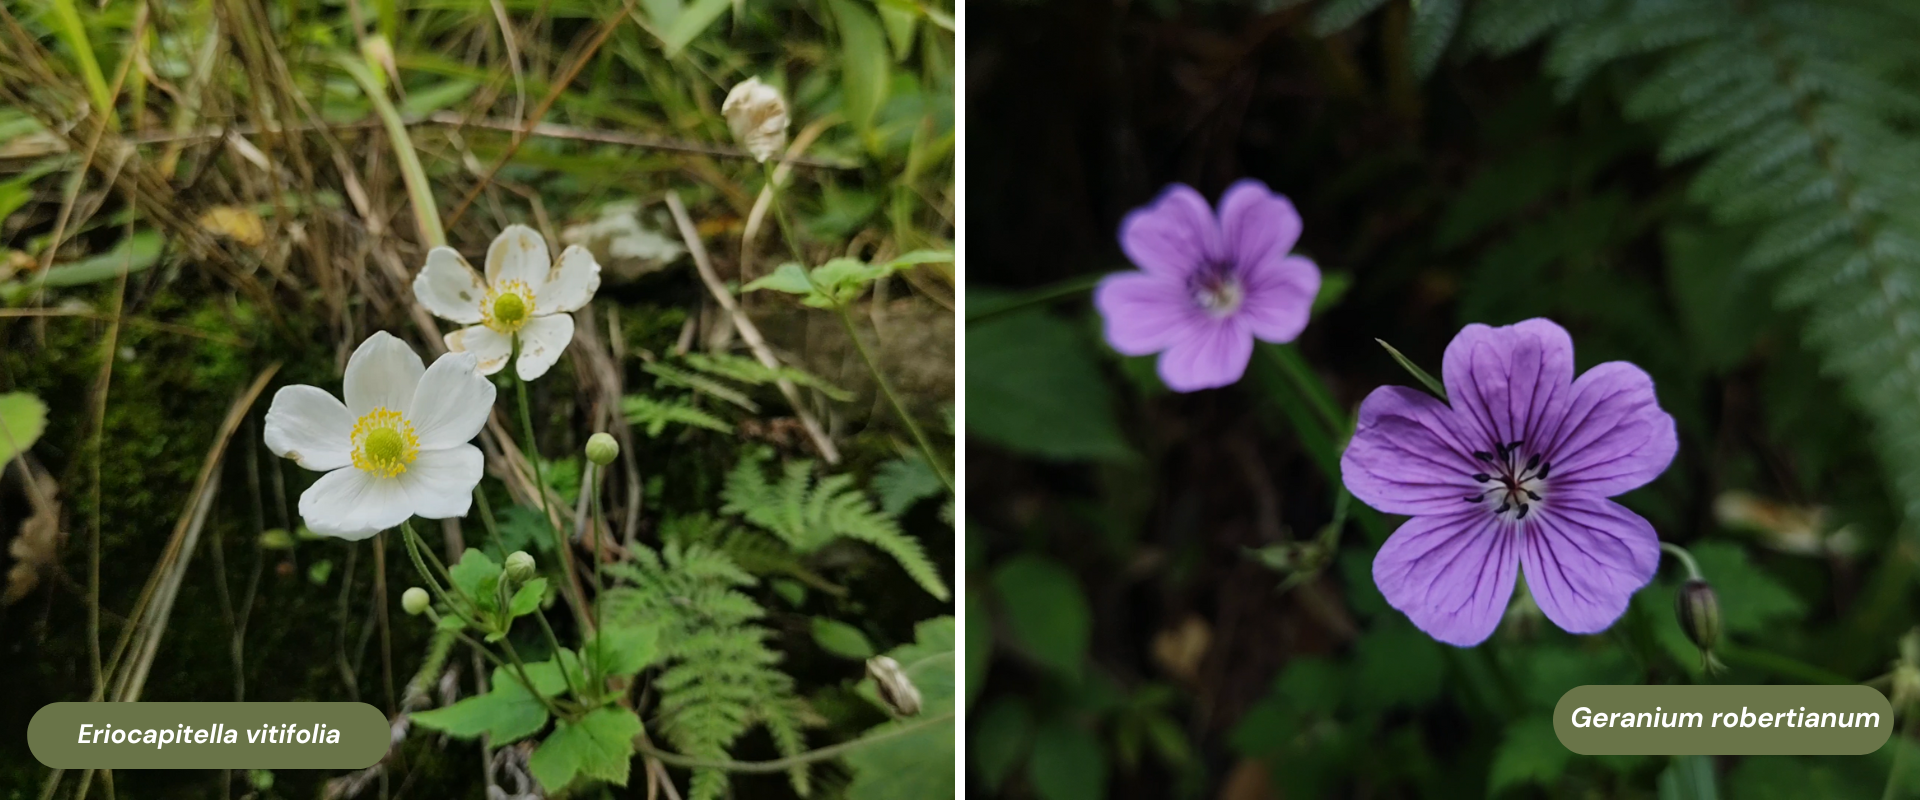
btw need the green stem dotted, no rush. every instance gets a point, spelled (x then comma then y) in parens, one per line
(899, 408)
(780, 216)
(486, 513)
(783, 764)
(554, 642)
(1071, 287)
(1686, 559)
(520, 667)
(1310, 387)
(595, 524)
(419, 191)
(531, 449)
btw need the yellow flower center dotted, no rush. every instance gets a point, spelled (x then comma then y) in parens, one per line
(383, 443)
(507, 307)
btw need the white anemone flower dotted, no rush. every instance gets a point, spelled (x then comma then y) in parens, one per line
(526, 295)
(757, 115)
(397, 447)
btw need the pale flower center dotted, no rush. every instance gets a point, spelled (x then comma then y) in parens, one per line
(383, 443)
(1218, 291)
(1517, 483)
(507, 307)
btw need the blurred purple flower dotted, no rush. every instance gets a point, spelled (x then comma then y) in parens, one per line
(1516, 472)
(1207, 288)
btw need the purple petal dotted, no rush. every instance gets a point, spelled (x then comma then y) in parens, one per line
(1258, 226)
(1213, 353)
(1451, 575)
(1279, 298)
(1614, 437)
(1409, 455)
(1174, 235)
(1511, 381)
(1146, 313)
(1584, 558)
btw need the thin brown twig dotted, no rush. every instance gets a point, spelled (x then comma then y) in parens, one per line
(540, 113)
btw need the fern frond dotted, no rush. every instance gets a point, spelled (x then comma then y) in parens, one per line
(656, 415)
(741, 369)
(808, 516)
(669, 375)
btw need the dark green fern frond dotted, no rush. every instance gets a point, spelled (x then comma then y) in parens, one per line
(656, 414)
(808, 516)
(721, 677)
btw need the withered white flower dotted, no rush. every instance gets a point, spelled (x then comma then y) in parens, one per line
(525, 294)
(397, 447)
(758, 116)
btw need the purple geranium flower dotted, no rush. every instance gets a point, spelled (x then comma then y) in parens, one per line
(1516, 473)
(1207, 288)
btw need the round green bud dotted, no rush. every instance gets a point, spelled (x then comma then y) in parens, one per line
(1699, 613)
(415, 600)
(519, 566)
(602, 449)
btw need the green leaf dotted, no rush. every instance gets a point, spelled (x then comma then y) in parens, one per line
(133, 254)
(1067, 764)
(1046, 611)
(902, 482)
(599, 746)
(319, 571)
(979, 645)
(918, 764)
(1000, 739)
(1434, 22)
(901, 24)
(623, 648)
(1530, 753)
(864, 77)
(1338, 15)
(1689, 778)
(1433, 385)
(1751, 601)
(692, 20)
(841, 639)
(527, 599)
(478, 576)
(22, 419)
(921, 257)
(1398, 665)
(507, 713)
(789, 277)
(1033, 388)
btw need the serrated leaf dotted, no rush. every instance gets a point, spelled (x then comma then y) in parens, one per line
(527, 599)
(623, 648)
(1530, 753)
(1750, 600)
(1033, 388)
(918, 764)
(599, 746)
(789, 277)
(506, 714)
(477, 576)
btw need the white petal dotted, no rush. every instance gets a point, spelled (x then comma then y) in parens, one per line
(490, 346)
(541, 342)
(449, 288)
(452, 403)
(440, 483)
(519, 253)
(570, 284)
(382, 373)
(311, 427)
(354, 505)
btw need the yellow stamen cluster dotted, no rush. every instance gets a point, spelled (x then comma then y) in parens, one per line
(508, 306)
(383, 443)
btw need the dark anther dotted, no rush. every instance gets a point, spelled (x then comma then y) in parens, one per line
(1534, 461)
(1501, 510)
(1523, 511)
(1483, 455)
(1515, 446)
(1543, 471)
(1532, 495)
(1481, 477)
(1473, 499)
(1501, 448)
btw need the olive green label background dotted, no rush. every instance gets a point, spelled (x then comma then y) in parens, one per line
(54, 735)
(1747, 702)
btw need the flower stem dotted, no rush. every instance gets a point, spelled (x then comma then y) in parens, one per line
(1686, 559)
(554, 642)
(521, 668)
(531, 449)
(899, 408)
(414, 548)
(780, 216)
(1081, 284)
(790, 762)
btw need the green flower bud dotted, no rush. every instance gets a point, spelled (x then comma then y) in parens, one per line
(1699, 613)
(602, 449)
(415, 600)
(519, 566)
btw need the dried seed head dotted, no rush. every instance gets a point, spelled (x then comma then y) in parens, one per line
(758, 117)
(602, 449)
(895, 688)
(519, 566)
(415, 600)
